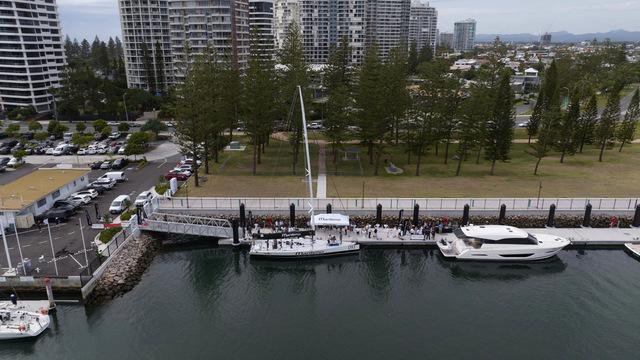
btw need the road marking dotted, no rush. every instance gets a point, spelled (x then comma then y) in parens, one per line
(27, 245)
(56, 237)
(161, 165)
(11, 248)
(74, 259)
(43, 242)
(71, 233)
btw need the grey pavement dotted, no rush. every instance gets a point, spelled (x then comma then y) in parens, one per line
(67, 238)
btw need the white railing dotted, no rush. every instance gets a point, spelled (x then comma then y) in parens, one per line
(353, 204)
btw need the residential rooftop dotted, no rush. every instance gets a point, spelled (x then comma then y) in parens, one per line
(32, 187)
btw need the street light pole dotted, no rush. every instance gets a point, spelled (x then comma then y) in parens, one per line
(126, 113)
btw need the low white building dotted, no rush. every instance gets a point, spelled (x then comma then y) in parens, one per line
(464, 65)
(33, 194)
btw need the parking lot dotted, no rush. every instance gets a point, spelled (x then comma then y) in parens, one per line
(66, 237)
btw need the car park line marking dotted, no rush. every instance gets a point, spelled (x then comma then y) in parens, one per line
(71, 233)
(11, 248)
(27, 245)
(43, 242)
(161, 165)
(74, 259)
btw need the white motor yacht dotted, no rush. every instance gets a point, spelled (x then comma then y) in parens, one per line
(19, 324)
(499, 243)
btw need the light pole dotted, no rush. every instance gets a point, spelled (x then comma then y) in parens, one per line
(126, 114)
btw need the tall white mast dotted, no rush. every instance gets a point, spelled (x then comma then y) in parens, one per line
(308, 158)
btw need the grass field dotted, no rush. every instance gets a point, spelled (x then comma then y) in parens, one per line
(580, 175)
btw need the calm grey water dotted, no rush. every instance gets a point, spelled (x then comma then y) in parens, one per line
(382, 304)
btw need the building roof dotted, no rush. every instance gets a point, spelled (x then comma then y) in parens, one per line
(32, 187)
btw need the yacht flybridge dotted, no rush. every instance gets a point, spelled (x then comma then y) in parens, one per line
(306, 244)
(499, 243)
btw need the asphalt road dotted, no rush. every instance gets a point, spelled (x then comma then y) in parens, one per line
(67, 239)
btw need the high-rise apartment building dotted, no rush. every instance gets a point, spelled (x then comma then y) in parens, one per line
(464, 35)
(387, 24)
(31, 54)
(323, 23)
(261, 26)
(445, 40)
(545, 39)
(221, 25)
(145, 31)
(423, 26)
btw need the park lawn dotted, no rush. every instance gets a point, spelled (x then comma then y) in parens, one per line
(581, 175)
(602, 98)
(277, 160)
(248, 186)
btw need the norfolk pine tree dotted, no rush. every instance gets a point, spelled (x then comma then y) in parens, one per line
(627, 129)
(337, 80)
(605, 128)
(296, 73)
(534, 121)
(258, 98)
(567, 137)
(500, 127)
(587, 122)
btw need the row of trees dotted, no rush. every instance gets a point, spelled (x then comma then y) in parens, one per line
(436, 112)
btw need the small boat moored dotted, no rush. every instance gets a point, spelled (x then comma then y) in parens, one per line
(19, 324)
(499, 243)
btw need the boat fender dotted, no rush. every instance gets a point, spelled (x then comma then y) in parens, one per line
(22, 327)
(44, 311)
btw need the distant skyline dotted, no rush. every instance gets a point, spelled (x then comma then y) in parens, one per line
(88, 18)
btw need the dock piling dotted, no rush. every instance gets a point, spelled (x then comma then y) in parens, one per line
(465, 215)
(379, 214)
(47, 285)
(503, 214)
(416, 214)
(236, 234)
(586, 222)
(551, 222)
(636, 217)
(243, 219)
(400, 216)
(328, 208)
(292, 215)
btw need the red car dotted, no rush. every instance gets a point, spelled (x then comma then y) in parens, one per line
(178, 175)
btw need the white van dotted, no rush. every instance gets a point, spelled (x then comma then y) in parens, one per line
(67, 136)
(114, 175)
(61, 150)
(120, 204)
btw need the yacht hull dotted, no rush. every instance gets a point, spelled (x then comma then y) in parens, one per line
(305, 251)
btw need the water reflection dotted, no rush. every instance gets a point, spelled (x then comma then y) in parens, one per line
(483, 271)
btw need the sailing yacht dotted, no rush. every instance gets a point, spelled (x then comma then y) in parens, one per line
(19, 324)
(306, 244)
(500, 243)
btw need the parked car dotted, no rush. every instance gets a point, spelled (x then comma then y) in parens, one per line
(115, 176)
(15, 162)
(189, 161)
(120, 204)
(143, 198)
(56, 214)
(66, 204)
(112, 123)
(61, 150)
(122, 149)
(97, 187)
(182, 171)
(105, 165)
(82, 151)
(88, 192)
(115, 135)
(67, 136)
(119, 163)
(4, 161)
(83, 199)
(105, 182)
(95, 165)
(3, 168)
(314, 126)
(178, 175)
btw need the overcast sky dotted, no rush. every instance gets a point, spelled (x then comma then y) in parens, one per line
(88, 18)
